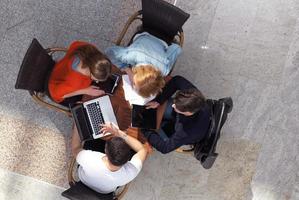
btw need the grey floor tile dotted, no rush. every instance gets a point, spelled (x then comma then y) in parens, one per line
(149, 182)
(288, 88)
(198, 7)
(270, 32)
(233, 21)
(4, 18)
(265, 62)
(250, 115)
(283, 13)
(21, 11)
(16, 42)
(218, 62)
(17, 187)
(276, 166)
(67, 36)
(196, 31)
(187, 180)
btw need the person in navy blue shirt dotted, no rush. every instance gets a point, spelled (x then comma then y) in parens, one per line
(186, 120)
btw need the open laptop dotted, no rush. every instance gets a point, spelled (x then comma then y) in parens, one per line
(144, 118)
(89, 115)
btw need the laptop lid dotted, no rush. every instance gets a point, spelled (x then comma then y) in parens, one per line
(104, 110)
(82, 122)
(144, 118)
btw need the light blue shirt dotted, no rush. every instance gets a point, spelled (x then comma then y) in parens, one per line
(145, 49)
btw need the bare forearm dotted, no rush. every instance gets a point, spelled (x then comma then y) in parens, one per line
(75, 93)
(131, 141)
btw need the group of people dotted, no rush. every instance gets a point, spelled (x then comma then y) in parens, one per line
(185, 121)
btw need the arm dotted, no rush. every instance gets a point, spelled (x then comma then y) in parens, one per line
(132, 142)
(164, 146)
(135, 145)
(91, 90)
(76, 142)
(176, 83)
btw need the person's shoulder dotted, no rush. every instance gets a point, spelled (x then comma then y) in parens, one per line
(134, 164)
(89, 153)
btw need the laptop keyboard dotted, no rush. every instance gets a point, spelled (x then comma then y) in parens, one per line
(96, 116)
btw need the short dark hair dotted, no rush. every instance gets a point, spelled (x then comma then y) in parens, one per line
(117, 151)
(189, 100)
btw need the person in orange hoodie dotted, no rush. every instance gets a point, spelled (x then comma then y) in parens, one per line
(73, 74)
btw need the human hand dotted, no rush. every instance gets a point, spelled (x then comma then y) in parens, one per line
(93, 91)
(109, 127)
(152, 104)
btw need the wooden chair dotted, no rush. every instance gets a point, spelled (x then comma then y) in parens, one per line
(205, 150)
(78, 190)
(160, 19)
(34, 74)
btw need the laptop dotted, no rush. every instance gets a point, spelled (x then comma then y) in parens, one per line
(144, 118)
(110, 84)
(89, 115)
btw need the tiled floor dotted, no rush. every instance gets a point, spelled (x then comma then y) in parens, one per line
(244, 49)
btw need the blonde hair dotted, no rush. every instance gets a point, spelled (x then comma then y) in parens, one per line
(148, 79)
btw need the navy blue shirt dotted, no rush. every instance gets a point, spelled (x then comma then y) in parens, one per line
(188, 129)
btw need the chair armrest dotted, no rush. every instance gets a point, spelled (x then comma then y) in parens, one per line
(70, 176)
(133, 17)
(52, 50)
(38, 97)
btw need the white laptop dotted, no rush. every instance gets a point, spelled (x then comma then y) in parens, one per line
(89, 115)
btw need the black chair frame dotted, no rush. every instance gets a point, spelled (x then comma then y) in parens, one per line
(40, 95)
(139, 16)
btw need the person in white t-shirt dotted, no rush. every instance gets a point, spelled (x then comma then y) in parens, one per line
(105, 172)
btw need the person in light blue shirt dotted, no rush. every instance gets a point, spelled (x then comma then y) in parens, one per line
(145, 49)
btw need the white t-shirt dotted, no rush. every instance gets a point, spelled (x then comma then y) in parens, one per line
(94, 173)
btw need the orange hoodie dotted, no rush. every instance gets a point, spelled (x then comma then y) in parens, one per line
(64, 79)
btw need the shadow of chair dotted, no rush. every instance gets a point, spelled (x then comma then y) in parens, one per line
(205, 150)
(34, 74)
(78, 190)
(160, 19)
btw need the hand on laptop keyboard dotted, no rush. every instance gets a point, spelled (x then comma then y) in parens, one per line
(109, 128)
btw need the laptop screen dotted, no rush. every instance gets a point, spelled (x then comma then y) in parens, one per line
(83, 126)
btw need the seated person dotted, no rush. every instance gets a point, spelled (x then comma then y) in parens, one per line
(73, 74)
(105, 172)
(146, 49)
(188, 120)
(145, 80)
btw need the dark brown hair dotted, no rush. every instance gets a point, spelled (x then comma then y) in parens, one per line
(98, 64)
(117, 151)
(190, 100)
